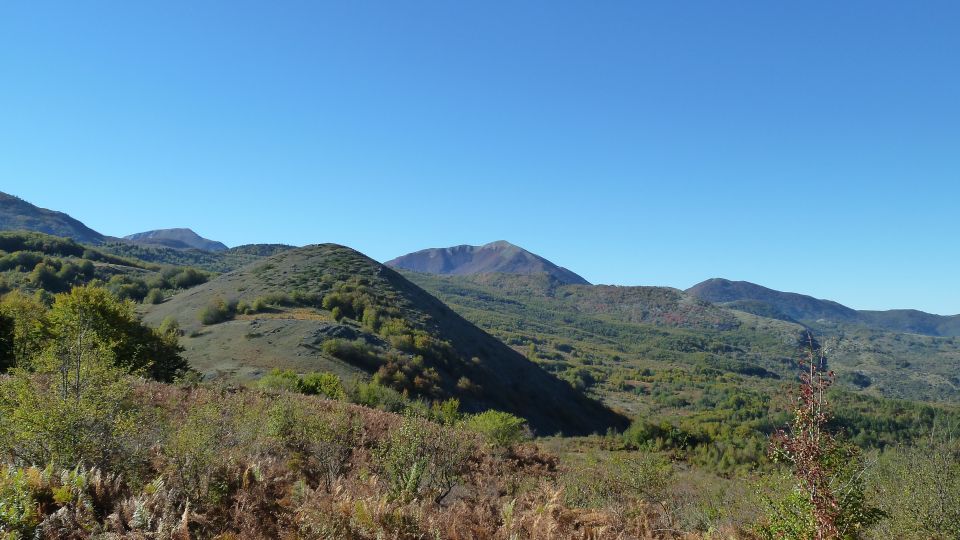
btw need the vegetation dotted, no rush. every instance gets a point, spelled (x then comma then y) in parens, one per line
(34, 262)
(703, 383)
(91, 447)
(329, 308)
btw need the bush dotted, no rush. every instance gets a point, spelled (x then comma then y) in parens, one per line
(321, 442)
(419, 459)
(154, 296)
(280, 380)
(357, 353)
(322, 384)
(19, 512)
(217, 311)
(188, 277)
(371, 394)
(500, 429)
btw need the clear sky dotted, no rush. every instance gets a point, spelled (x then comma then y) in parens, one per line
(807, 146)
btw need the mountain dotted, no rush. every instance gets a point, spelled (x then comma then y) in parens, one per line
(328, 307)
(752, 298)
(624, 344)
(798, 307)
(177, 239)
(495, 257)
(17, 214)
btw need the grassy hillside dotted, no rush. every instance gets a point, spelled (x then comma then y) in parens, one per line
(327, 307)
(221, 261)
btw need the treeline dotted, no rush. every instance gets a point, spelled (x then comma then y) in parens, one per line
(51, 265)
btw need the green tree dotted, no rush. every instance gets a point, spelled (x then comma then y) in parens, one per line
(30, 331)
(90, 314)
(68, 411)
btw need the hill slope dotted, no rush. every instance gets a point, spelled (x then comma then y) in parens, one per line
(177, 239)
(17, 214)
(495, 257)
(213, 261)
(327, 307)
(753, 298)
(603, 337)
(796, 306)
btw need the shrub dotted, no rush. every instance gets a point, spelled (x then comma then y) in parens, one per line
(919, 488)
(621, 480)
(81, 415)
(19, 513)
(419, 459)
(323, 384)
(321, 442)
(277, 380)
(500, 429)
(188, 277)
(371, 394)
(217, 311)
(357, 353)
(154, 296)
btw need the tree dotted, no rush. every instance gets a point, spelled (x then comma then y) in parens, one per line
(29, 330)
(68, 411)
(90, 314)
(828, 500)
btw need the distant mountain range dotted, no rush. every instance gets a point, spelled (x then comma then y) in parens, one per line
(17, 214)
(177, 239)
(495, 257)
(759, 300)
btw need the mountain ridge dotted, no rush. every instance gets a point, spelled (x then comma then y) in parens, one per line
(760, 300)
(18, 214)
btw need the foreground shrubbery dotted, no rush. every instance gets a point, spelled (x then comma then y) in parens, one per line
(209, 461)
(91, 449)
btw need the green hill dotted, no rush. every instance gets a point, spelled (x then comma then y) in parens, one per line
(327, 307)
(19, 215)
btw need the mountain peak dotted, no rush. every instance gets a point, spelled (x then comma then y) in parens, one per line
(500, 256)
(177, 238)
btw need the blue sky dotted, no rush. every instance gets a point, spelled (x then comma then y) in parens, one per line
(811, 147)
